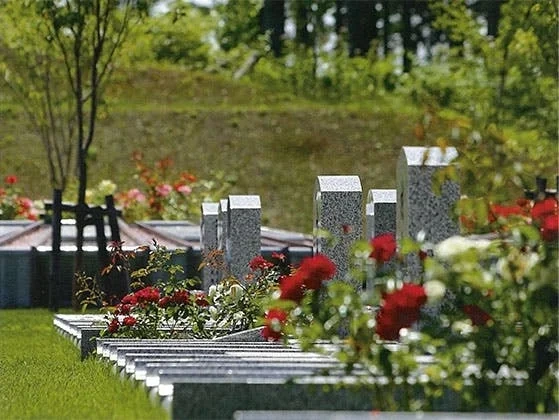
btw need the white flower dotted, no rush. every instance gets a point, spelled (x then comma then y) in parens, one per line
(213, 312)
(456, 245)
(106, 187)
(212, 290)
(461, 327)
(236, 291)
(434, 290)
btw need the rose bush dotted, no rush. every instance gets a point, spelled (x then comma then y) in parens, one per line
(480, 321)
(164, 196)
(170, 308)
(13, 205)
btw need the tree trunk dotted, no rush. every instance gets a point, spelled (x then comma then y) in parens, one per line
(407, 35)
(273, 21)
(361, 24)
(81, 214)
(493, 17)
(385, 26)
(302, 34)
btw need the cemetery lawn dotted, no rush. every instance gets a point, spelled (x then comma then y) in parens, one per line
(41, 376)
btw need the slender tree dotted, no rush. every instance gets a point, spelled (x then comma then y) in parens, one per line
(57, 57)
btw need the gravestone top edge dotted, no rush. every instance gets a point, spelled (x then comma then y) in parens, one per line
(210, 208)
(338, 183)
(223, 205)
(382, 196)
(415, 155)
(244, 202)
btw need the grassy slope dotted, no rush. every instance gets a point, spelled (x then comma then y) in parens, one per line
(41, 376)
(274, 144)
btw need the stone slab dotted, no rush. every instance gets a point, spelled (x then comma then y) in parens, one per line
(337, 214)
(243, 236)
(380, 212)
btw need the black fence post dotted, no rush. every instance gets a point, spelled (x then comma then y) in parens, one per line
(54, 286)
(113, 218)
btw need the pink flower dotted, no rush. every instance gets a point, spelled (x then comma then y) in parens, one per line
(183, 189)
(163, 190)
(25, 203)
(135, 195)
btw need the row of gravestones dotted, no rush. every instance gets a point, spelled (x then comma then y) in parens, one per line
(233, 225)
(240, 373)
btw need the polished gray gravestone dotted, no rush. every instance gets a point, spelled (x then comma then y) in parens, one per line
(208, 242)
(380, 212)
(419, 208)
(337, 218)
(243, 235)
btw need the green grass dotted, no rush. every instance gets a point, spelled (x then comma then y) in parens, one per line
(42, 377)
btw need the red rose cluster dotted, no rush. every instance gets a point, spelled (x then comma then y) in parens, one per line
(275, 318)
(477, 315)
(259, 263)
(400, 309)
(545, 214)
(310, 275)
(384, 247)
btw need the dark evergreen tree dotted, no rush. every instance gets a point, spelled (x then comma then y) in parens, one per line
(272, 21)
(361, 25)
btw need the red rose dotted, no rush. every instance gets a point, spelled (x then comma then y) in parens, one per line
(123, 309)
(477, 315)
(164, 302)
(278, 256)
(130, 299)
(113, 326)
(550, 228)
(497, 210)
(10, 179)
(129, 321)
(275, 318)
(201, 299)
(259, 263)
(400, 309)
(315, 270)
(292, 288)
(147, 294)
(181, 297)
(387, 328)
(545, 208)
(384, 247)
